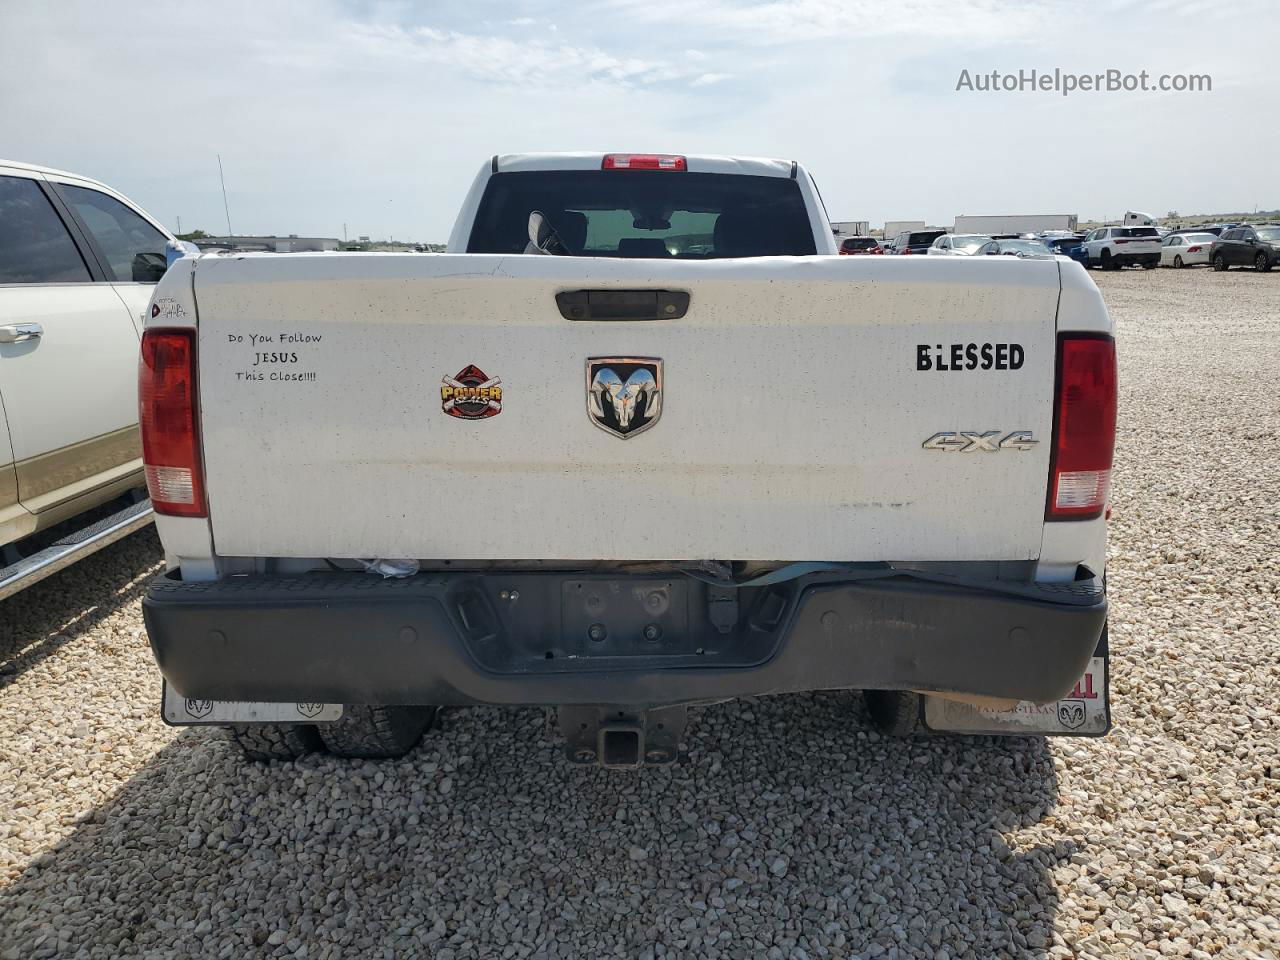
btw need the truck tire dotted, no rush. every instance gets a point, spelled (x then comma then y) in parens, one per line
(895, 713)
(276, 741)
(376, 732)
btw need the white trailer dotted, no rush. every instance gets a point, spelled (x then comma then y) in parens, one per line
(851, 228)
(1016, 223)
(894, 227)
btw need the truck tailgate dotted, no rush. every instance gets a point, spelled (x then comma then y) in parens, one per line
(793, 418)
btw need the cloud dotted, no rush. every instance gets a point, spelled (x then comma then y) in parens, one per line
(377, 114)
(777, 22)
(525, 62)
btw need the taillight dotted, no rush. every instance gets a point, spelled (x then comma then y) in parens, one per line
(167, 416)
(1084, 427)
(644, 161)
(875, 250)
(1193, 249)
(904, 251)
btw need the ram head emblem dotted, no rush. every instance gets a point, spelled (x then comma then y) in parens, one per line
(624, 395)
(1071, 713)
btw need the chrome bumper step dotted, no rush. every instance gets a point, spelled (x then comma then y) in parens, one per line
(74, 546)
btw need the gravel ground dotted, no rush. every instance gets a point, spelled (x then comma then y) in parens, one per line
(793, 831)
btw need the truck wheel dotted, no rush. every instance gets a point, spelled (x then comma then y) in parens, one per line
(895, 713)
(1261, 263)
(373, 732)
(276, 741)
(1219, 263)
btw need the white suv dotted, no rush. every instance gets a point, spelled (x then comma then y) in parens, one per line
(78, 264)
(1113, 247)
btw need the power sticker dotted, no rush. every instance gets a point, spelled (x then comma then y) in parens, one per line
(471, 395)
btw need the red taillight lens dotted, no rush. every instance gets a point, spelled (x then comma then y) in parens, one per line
(167, 416)
(904, 251)
(644, 161)
(875, 250)
(1193, 249)
(1084, 427)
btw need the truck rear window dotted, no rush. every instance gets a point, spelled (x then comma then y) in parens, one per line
(611, 213)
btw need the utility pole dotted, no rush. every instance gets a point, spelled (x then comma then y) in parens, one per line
(225, 208)
(344, 233)
(179, 226)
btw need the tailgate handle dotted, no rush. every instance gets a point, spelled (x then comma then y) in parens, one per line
(622, 304)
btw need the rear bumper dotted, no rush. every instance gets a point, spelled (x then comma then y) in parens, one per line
(557, 639)
(1131, 259)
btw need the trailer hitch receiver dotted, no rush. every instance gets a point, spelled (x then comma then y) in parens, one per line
(622, 738)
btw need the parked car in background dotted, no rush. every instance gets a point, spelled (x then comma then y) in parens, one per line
(887, 244)
(855, 246)
(1186, 249)
(1113, 247)
(78, 263)
(1247, 246)
(1066, 245)
(915, 241)
(1022, 248)
(958, 245)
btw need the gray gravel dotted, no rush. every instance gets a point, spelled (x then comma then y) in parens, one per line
(792, 832)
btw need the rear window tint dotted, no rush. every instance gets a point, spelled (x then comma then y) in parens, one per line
(34, 245)
(858, 243)
(1136, 232)
(924, 239)
(612, 213)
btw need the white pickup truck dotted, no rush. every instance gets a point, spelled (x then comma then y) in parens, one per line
(690, 455)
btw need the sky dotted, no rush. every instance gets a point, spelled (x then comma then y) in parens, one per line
(373, 117)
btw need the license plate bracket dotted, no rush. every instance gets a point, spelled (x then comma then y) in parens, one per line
(632, 618)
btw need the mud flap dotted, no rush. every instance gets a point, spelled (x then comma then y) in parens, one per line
(1085, 712)
(180, 711)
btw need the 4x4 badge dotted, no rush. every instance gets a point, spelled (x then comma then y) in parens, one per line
(624, 394)
(967, 441)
